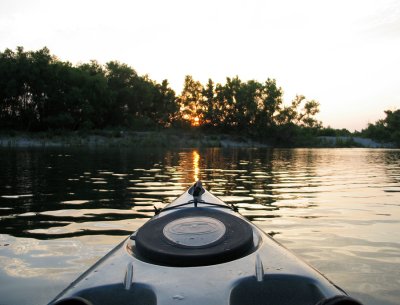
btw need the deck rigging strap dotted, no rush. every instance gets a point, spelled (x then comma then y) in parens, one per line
(194, 202)
(196, 191)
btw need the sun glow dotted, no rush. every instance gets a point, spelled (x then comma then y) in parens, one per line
(196, 162)
(195, 121)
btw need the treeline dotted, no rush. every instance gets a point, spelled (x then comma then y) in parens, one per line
(39, 92)
(250, 107)
(385, 130)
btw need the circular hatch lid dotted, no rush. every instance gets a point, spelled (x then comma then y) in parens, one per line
(194, 237)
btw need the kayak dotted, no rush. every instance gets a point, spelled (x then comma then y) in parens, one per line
(200, 250)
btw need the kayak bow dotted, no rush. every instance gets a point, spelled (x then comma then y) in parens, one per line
(199, 250)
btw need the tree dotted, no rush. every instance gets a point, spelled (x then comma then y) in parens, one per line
(302, 117)
(24, 82)
(248, 99)
(270, 104)
(229, 95)
(190, 101)
(8, 89)
(210, 104)
(121, 80)
(385, 130)
(98, 99)
(310, 109)
(393, 124)
(167, 106)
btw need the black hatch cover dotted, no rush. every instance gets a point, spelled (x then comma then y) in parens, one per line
(194, 237)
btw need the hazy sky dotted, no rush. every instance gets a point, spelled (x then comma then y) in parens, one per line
(343, 53)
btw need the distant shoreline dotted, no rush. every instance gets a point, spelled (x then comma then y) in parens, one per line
(127, 139)
(167, 139)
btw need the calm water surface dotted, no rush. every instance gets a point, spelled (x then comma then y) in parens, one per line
(63, 209)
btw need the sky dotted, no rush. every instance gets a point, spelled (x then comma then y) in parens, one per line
(345, 54)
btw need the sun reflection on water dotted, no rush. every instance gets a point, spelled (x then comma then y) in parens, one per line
(196, 163)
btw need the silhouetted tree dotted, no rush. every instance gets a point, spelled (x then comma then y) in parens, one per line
(385, 130)
(210, 105)
(190, 101)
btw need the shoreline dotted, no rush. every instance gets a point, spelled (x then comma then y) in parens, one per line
(128, 139)
(179, 139)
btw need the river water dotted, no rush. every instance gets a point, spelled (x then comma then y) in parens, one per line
(61, 209)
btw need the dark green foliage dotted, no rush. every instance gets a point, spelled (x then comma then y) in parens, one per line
(40, 92)
(385, 130)
(292, 135)
(331, 132)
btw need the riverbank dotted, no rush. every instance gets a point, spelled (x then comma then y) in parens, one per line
(349, 141)
(164, 138)
(115, 138)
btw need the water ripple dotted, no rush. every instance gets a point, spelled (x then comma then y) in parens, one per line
(338, 208)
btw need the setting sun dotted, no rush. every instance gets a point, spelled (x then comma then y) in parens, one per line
(195, 121)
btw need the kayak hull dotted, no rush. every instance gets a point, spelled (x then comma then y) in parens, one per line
(266, 273)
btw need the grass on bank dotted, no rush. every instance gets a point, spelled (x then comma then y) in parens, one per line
(168, 138)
